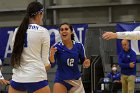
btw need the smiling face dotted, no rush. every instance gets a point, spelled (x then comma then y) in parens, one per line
(65, 32)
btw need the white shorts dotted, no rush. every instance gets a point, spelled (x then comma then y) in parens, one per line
(77, 86)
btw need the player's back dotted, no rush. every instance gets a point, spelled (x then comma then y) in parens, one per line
(33, 42)
(32, 66)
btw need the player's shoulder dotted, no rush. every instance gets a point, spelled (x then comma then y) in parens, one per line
(58, 43)
(41, 28)
(37, 27)
(76, 43)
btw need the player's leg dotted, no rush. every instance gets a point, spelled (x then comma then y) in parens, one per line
(59, 88)
(77, 86)
(38, 87)
(45, 89)
(79, 89)
(12, 90)
(16, 87)
(75, 83)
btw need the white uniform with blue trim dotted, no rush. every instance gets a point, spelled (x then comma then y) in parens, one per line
(34, 56)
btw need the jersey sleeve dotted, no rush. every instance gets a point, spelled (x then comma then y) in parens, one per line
(45, 48)
(135, 35)
(82, 53)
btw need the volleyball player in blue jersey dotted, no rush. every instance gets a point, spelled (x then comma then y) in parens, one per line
(67, 54)
(31, 43)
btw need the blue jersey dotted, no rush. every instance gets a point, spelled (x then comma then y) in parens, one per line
(125, 58)
(114, 76)
(68, 60)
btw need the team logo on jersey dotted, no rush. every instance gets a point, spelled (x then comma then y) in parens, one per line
(128, 56)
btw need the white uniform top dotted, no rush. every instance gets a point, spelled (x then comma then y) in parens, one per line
(135, 35)
(34, 57)
(130, 35)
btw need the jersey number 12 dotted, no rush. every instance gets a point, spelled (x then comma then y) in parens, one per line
(70, 62)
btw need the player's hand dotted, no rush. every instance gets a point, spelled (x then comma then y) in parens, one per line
(47, 67)
(3, 81)
(132, 65)
(53, 50)
(86, 63)
(109, 35)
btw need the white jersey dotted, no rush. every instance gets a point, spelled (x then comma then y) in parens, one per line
(34, 56)
(135, 35)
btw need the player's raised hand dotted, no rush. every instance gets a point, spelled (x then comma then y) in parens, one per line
(86, 63)
(109, 35)
(53, 50)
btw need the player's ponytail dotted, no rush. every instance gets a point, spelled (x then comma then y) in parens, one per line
(19, 41)
(32, 10)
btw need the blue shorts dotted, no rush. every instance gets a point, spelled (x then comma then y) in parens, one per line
(67, 85)
(30, 87)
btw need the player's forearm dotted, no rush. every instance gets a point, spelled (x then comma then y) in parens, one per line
(52, 59)
(129, 35)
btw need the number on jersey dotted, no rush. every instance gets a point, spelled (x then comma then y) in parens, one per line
(70, 62)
